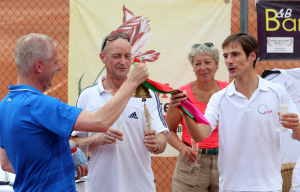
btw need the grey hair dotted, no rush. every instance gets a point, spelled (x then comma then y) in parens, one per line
(29, 49)
(102, 51)
(204, 50)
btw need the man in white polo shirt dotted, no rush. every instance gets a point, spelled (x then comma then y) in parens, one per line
(247, 113)
(126, 166)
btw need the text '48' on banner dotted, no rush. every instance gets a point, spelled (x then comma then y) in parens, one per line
(278, 27)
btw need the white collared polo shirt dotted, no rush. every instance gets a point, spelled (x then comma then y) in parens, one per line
(127, 166)
(249, 158)
(290, 80)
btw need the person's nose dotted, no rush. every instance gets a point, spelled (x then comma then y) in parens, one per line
(202, 67)
(58, 66)
(228, 60)
(122, 61)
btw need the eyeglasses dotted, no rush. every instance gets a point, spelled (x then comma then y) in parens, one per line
(208, 44)
(115, 36)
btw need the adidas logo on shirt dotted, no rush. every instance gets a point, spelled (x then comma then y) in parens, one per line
(133, 115)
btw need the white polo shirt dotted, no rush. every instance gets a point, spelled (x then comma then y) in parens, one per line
(290, 80)
(249, 158)
(125, 167)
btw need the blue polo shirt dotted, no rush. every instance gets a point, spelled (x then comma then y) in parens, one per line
(34, 131)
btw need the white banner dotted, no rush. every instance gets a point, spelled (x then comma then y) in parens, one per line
(165, 42)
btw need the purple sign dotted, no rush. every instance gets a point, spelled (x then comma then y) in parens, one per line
(278, 30)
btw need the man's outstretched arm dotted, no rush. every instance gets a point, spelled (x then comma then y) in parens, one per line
(110, 112)
(197, 131)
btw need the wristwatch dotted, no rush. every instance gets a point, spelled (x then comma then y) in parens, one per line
(156, 149)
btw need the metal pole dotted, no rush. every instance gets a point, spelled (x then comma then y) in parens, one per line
(244, 16)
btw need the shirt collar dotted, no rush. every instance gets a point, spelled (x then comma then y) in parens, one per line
(23, 88)
(231, 89)
(262, 86)
(100, 84)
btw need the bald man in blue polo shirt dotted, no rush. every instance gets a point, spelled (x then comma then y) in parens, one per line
(34, 128)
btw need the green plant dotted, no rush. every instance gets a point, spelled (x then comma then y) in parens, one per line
(80, 79)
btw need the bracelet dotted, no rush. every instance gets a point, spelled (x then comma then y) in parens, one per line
(156, 149)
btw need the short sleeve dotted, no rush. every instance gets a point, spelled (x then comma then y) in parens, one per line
(80, 134)
(155, 110)
(212, 112)
(54, 115)
(80, 104)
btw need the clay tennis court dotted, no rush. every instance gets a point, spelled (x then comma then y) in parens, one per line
(18, 18)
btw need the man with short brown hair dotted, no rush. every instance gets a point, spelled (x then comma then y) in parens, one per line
(247, 113)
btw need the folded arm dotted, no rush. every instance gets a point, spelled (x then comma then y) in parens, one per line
(107, 137)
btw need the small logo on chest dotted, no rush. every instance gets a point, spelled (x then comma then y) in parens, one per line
(8, 99)
(133, 115)
(263, 109)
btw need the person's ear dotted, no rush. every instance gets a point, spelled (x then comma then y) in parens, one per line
(102, 57)
(252, 56)
(38, 66)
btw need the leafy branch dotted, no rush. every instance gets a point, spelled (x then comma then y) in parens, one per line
(79, 82)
